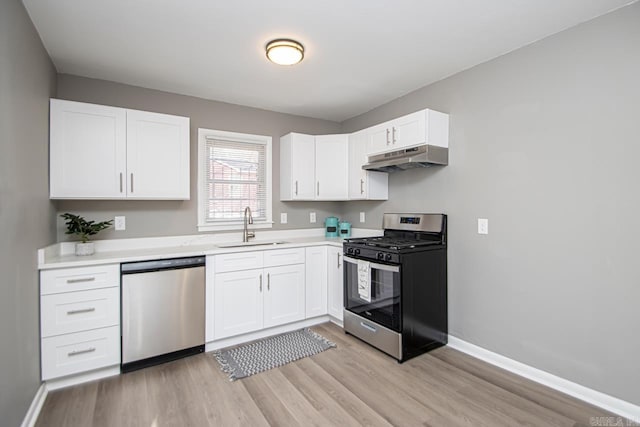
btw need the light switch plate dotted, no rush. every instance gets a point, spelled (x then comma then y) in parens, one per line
(312, 217)
(483, 226)
(283, 218)
(362, 217)
(120, 223)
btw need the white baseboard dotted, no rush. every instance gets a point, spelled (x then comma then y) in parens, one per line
(604, 401)
(83, 378)
(36, 405)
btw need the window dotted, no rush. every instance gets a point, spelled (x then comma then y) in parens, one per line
(234, 171)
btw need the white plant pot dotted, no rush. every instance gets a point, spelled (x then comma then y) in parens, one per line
(85, 248)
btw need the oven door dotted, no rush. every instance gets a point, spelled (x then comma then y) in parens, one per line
(382, 303)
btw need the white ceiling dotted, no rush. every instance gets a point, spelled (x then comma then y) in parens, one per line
(359, 53)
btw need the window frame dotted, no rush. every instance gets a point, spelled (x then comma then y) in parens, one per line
(203, 134)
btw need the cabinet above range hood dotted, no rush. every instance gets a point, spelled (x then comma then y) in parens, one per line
(416, 157)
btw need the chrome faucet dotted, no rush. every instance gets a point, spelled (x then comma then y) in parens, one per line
(248, 219)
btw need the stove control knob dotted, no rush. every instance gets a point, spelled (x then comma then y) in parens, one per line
(357, 252)
(388, 257)
(380, 255)
(350, 250)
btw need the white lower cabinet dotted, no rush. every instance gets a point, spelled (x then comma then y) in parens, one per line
(316, 281)
(335, 282)
(79, 320)
(252, 299)
(80, 352)
(284, 300)
(238, 306)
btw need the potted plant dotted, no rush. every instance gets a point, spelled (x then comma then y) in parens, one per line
(82, 228)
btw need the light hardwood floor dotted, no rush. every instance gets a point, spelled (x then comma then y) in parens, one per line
(351, 385)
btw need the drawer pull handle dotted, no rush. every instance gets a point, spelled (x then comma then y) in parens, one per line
(84, 279)
(81, 310)
(77, 352)
(371, 328)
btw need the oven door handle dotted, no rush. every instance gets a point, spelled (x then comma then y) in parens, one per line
(392, 268)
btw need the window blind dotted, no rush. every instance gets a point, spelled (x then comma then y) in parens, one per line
(235, 177)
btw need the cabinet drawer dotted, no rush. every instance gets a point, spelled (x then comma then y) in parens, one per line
(79, 311)
(283, 257)
(80, 352)
(238, 261)
(79, 279)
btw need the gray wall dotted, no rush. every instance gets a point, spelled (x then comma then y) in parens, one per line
(165, 218)
(544, 143)
(27, 80)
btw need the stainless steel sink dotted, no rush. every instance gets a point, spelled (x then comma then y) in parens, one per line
(249, 244)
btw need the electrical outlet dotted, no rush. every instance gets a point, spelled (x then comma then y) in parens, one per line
(312, 217)
(283, 218)
(362, 216)
(120, 223)
(483, 226)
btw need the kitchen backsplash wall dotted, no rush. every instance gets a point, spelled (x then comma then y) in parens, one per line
(543, 143)
(166, 218)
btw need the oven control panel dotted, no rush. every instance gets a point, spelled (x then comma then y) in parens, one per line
(373, 254)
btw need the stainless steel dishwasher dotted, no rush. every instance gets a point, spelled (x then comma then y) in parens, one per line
(163, 311)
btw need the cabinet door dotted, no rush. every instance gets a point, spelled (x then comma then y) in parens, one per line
(357, 158)
(408, 130)
(364, 185)
(334, 282)
(284, 299)
(297, 167)
(332, 162)
(378, 138)
(238, 303)
(157, 156)
(316, 281)
(87, 151)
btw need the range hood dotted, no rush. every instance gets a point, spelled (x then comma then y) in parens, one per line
(408, 158)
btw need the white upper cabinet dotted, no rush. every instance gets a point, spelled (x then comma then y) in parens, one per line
(88, 145)
(313, 167)
(100, 152)
(332, 161)
(297, 167)
(364, 185)
(422, 127)
(157, 156)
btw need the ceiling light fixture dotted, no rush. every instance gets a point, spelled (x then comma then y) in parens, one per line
(285, 51)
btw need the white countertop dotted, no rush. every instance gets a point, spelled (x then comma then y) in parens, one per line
(60, 255)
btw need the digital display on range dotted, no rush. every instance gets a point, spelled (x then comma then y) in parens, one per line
(409, 220)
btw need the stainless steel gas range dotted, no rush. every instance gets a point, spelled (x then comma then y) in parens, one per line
(395, 286)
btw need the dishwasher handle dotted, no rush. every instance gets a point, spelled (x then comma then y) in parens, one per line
(162, 264)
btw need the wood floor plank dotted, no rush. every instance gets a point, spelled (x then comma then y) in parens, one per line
(356, 408)
(546, 397)
(221, 408)
(297, 405)
(486, 395)
(275, 412)
(331, 412)
(438, 397)
(351, 385)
